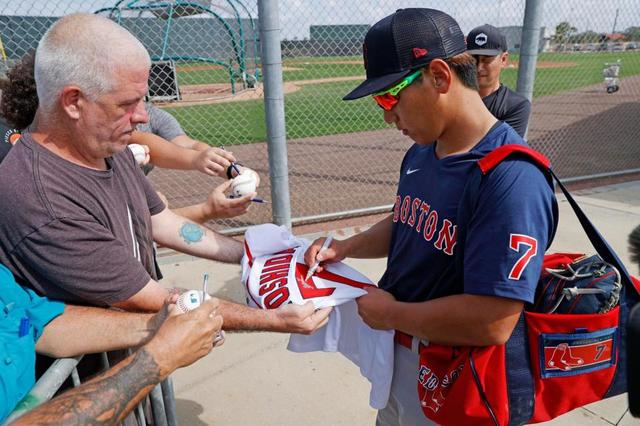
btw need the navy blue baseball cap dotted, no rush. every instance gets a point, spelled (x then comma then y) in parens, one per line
(486, 40)
(403, 42)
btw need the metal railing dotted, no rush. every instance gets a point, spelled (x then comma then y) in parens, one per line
(161, 399)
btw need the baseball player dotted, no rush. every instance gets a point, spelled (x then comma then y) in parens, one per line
(489, 46)
(436, 287)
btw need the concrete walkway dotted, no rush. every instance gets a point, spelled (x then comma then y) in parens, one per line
(254, 380)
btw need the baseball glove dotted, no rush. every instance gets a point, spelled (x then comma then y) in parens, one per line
(588, 285)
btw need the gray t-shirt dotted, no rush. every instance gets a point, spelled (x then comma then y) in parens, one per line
(161, 123)
(510, 107)
(73, 233)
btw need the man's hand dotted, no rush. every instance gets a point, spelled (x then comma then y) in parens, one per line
(214, 162)
(218, 206)
(108, 398)
(302, 319)
(159, 318)
(373, 307)
(334, 253)
(184, 338)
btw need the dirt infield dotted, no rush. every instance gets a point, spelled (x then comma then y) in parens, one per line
(546, 64)
(206, 67)
(217, 93)
(584, 132)
(203, 94)
(299, 66)
(351, 62)
(512, 64)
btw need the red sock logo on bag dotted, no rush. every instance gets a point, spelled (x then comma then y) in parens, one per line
(435, 389)
(563, 359)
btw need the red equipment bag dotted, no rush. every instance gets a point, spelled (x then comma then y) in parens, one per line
(567, 349)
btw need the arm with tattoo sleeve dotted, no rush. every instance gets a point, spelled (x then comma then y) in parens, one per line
(108, 398)
(105, 400)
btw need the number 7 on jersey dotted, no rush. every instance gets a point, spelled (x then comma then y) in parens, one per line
(519, 242)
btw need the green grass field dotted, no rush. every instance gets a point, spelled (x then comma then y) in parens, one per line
(318, 109)
(298, 70)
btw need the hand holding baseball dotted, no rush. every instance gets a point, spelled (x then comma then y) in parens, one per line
(245, 183)
(140, 153)
(218, 206)
(183, 339)
(213, 162)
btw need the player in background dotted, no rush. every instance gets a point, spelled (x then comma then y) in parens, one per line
(424, 81)
(489, 46)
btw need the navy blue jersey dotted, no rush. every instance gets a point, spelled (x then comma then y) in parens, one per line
(506, 235)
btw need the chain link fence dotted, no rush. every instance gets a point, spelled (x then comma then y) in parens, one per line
(586, 128)
(343, 159)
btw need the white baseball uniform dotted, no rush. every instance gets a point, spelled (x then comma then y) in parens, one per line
(273, 273)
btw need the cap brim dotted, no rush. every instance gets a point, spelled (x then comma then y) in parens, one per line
(375, 85)
(485, 52)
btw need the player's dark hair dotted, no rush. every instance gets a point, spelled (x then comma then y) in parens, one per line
(464, 65)
(19, 100)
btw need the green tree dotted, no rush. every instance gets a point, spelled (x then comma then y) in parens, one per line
(563, 30)
(632, 33)
(585, 37)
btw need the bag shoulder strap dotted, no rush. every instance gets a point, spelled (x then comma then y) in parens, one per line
(495, 157)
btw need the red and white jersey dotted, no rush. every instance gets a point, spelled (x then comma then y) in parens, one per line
(273, 272)
(371, 350)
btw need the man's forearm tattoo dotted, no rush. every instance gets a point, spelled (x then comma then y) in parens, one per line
(105, 400)
(191, 233)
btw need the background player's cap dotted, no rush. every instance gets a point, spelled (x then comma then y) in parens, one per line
(486, 40)
(403, 42)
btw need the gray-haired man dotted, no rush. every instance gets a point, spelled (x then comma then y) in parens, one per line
(83, 218)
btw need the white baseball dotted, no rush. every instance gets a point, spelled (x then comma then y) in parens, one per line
(189, 300)
(244, 184)
(138, 152)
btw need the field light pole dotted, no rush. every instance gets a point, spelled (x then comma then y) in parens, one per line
(271, 59)
(529, 47)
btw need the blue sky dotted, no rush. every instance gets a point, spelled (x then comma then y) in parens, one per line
(297, 15)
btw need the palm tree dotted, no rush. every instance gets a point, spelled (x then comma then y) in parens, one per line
(563, 31)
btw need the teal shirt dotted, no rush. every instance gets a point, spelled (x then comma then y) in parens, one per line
(23, 317)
